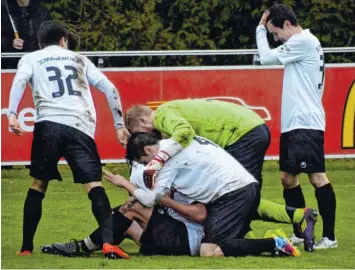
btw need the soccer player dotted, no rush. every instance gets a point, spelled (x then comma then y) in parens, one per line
(172, 230)
(204, 172)
(161, 230)
(64, 127)
(237, 129)
(302, 113)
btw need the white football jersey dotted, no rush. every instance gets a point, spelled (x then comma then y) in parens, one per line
(60, 80)
(303, 83)
(203, 172)
(303, 80)
(195, 231)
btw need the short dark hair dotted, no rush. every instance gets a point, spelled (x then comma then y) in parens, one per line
(136, 143)
(50, 33)
(279, 13)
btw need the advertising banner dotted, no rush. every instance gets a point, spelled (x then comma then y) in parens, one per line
(259, 88)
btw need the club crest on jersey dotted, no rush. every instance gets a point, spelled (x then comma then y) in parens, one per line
(303, 164)
(283, 48)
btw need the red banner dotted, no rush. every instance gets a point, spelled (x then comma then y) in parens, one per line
(256, 87)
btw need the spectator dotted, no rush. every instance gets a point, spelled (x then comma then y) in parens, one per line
(27, 16)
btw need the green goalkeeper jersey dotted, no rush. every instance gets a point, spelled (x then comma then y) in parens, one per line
(221, 122)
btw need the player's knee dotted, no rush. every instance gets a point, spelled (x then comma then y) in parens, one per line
(318, 179)
(218, 252)
(89, 186)
(39, 185)
(288, 181)
(206, 250)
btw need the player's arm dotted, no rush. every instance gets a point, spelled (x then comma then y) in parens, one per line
(23, 75)
(195, 212)
(97, 79)
(267, 56)
(168, 121)
(291, 51)
(171, 122)
(145, 196)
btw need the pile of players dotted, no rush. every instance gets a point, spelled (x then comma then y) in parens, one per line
(196, 173)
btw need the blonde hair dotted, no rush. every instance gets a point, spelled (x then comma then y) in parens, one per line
(134, 114)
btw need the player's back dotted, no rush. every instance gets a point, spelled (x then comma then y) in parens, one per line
(203, 172)
(221, 122)
(60, 88)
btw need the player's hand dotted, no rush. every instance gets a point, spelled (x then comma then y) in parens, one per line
(264, 17)
(122, 135)
(151, 172)
(117, 179)
(14, 124)
(165, 200)
(17, 43)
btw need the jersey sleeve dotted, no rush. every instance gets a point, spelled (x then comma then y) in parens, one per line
(97, 79)
(23, 75)
(169, 121)
(93, 74)
(165, 177)
(293, 50)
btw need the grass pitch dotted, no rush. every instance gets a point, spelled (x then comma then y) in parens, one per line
(67, 214)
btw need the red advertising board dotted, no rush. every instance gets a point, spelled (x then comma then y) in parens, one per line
(256, 87)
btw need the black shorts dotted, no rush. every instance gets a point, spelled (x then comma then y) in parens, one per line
(229, 217)
(250, 150)
(302, 150)
(164, 235)
(51, 141)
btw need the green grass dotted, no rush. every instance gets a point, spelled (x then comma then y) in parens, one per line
(67, 215)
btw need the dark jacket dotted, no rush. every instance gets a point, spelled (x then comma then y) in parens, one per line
(27, 21)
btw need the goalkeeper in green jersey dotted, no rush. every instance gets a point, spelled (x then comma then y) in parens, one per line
(237, 129)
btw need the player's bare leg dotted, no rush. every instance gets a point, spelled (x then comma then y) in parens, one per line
(327, 207)
(32, 213)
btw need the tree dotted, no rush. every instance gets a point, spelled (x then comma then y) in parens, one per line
(118, 25)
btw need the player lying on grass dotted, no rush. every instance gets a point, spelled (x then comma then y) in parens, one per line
(172, 230)
(237, 129)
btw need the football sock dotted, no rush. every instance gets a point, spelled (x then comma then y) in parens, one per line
(274, 212)
(32, 213)
(120, 226)
(245, 247)
(88, 246)
(327, 205)
(101, 209)
(294, 198)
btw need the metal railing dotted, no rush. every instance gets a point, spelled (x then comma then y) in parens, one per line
(182, 52)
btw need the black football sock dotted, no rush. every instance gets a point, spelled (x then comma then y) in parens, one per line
(32, 213)
(245, 247)
(327, 205)
(87, 245)
(102, 212)
(294, 198)
(120, 226)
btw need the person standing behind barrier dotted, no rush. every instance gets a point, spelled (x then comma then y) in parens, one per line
(302, 113)
(65, 127)
(27, 17)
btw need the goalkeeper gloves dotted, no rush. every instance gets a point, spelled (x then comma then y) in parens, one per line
(153, 168)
